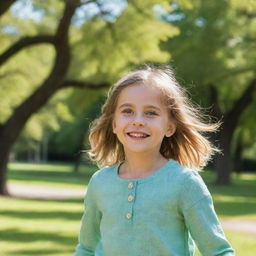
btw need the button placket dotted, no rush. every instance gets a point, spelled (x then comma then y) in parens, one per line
(130, 200)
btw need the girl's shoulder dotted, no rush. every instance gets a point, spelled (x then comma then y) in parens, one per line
(193, 186)
(183, 173)
(189, 180)
(104, 174)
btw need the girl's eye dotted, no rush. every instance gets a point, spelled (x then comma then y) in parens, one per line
(151, 113)
(127, 111)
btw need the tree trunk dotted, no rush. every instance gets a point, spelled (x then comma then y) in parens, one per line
(238, 162)
(3, 167)
(45, 148)
(10, 131)
(79, 153)
(223, 161)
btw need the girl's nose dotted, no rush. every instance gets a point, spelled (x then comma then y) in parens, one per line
(138, 121)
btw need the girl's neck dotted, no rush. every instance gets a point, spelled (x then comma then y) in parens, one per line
(135, 167)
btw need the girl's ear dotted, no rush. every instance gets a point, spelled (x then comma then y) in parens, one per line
(170, 131)
(113, 126)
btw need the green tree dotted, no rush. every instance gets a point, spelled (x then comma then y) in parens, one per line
(89, 56)
(215, 55)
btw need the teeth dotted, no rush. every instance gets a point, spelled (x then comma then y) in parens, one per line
(138, 135)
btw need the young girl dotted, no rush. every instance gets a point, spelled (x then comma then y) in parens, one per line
(149, 199)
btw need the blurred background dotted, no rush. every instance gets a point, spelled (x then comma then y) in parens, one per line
(57, 61)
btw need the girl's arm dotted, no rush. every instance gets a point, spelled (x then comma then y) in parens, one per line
(201, 219)
(89, 235)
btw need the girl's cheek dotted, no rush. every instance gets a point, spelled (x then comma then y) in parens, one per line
(125, 119)
(121, 121)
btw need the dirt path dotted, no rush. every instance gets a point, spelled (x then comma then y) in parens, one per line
(247, 226)
(49, 193)
(44, 192)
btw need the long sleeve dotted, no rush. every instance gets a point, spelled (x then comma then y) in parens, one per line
(89, 231)
(201, 219)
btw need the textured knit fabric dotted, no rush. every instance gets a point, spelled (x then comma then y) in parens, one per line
(158, 215)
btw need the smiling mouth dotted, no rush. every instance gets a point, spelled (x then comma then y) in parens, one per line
(137, 135)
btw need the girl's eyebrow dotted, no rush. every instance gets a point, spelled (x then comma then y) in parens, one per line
(147, 106)
(125, 105)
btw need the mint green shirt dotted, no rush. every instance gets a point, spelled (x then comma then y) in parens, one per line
(159, 215)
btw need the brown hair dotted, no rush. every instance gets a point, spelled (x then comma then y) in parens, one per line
(187, 145)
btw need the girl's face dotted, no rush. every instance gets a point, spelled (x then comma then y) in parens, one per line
(141, 120)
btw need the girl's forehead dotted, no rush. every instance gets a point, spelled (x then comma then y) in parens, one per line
(141, 94)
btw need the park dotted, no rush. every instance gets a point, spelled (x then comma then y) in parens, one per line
(58, 60)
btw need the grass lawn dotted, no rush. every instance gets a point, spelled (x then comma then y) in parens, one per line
(30, 227)
(237, 201)
(57, 175)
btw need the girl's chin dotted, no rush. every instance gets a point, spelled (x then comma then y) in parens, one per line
(138, 150)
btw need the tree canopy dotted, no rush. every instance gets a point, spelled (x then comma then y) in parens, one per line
(214, 55)
(91, 44)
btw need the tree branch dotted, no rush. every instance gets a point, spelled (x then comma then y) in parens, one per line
(235, 72)
(214, 98)
(25, 42)
(83, 84)
(61, 33)
(5, 5)
(241, 104)
(63, 27)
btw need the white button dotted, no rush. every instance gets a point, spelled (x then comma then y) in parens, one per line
(130, 198)
(130, 185)
(128, 215)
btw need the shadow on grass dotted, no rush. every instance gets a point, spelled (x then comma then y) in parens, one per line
(235, 208)
(48, 242)
(79, 200)
(237, 199)
(59, 215)
(13, 235)
(27, 213)
(38, 252)
(50, 173)
(247, 191)
(54, 177)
